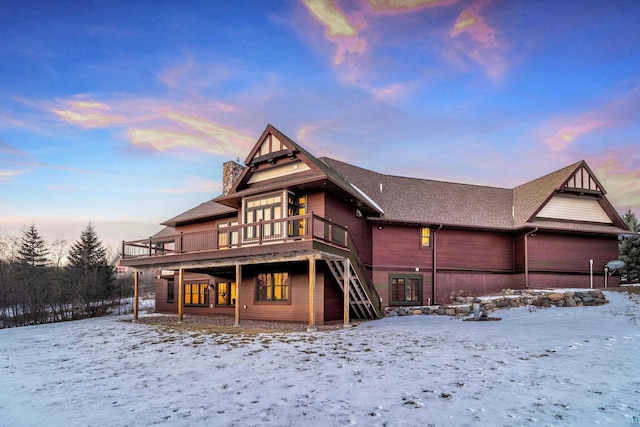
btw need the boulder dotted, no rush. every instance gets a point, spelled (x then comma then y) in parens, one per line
(555, 296)
(570, 302)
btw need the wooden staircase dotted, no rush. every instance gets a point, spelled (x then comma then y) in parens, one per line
(363, 298)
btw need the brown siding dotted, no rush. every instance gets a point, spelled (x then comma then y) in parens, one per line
(333, 299)
(570, 253)
(297, 308)
(359, 228)
(474, 250)
(315, 204)
(557, 260)
(204, 226)
(399, 247)
(161, 297)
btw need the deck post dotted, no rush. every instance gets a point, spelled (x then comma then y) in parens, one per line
(312, 292)
(180, 294)
(347, 281)
(135, 295)
(238, 285)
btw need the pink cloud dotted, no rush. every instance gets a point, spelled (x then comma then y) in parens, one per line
(568, 133)
(86, 114)
(390, 7)
(13, 162)
(619, 173)
(194, 133)
(338, 27)
(474, 38)
(617, 112)
(157, 125)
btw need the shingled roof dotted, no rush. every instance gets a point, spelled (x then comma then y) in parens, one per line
(529, 197)
(423, 201)
(205, 210)
(428, 202)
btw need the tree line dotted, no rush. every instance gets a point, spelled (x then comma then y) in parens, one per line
(43, 283)
(629, 250)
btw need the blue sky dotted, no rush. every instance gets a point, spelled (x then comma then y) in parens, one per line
(121, 113)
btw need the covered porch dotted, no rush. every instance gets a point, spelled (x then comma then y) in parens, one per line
(310, 262)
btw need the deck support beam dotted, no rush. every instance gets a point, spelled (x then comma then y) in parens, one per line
(347, 282)
(238, 286)
(180, 295)
(135, 295)
(312, 294)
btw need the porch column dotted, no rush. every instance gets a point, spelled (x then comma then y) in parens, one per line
(180, 294)
(135, 295)
(238, 286)
(347, 280)
(312, 295)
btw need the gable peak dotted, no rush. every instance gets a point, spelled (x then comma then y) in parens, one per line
(582, 180)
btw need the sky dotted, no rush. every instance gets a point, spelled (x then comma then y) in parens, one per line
(541, 367)
(120, 114)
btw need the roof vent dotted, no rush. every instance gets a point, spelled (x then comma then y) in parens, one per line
(381, 187)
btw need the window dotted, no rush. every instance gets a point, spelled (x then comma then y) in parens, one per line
(226, 294)
(264, 209)
(227, 236)
(170, 291)
(425, 237)
(272, 287)
(406, 289)
(195, 294)
(297, 207)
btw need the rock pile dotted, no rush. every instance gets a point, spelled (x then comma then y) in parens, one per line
(463, 306)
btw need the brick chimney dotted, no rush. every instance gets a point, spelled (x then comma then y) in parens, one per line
(230, 173)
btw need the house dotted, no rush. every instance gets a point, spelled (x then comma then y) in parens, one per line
(304, 239)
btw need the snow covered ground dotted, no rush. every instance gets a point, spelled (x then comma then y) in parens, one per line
(556, 366)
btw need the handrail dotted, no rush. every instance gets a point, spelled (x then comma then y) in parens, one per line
(236, 236)
(356, 262)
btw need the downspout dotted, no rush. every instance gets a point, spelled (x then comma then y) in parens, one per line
(526, 257)
(433, 281)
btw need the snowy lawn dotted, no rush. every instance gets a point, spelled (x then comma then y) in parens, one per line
(556, 366)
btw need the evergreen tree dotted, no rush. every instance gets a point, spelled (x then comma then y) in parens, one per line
(630, 249)
(32, 274)
(89, 274)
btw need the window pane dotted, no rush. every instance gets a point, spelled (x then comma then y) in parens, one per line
(222, 294)
(397, 289)
(272, 287)
(425, 239)
(413, 290)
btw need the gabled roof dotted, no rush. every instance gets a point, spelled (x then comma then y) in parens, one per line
(389, 198)
(529, 198)
(422, 201)
(205, 210)
(291, 148)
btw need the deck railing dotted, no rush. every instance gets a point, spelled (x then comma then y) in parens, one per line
(281, 230)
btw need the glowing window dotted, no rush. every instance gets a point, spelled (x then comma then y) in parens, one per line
(272, 287)
(195, 294)
(226, 294)
(425, 237)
